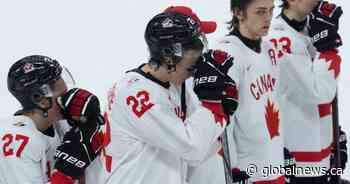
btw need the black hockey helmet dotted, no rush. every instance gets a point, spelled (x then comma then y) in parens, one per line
(29, 80)
(169, 34)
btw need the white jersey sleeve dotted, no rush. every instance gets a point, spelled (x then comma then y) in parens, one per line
(302, 69)
(307, 77)
(192, 101)
(146, 133)
(155, 123)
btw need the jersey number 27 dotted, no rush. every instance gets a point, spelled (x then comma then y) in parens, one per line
(8, 144)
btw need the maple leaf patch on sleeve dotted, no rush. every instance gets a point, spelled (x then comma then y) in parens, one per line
(272, 119)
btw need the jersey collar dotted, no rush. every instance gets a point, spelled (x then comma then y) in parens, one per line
(297, 25)
(22, 120)
(255, 45)
(138, 70)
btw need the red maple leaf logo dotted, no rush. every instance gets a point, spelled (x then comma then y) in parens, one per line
(272, 119)
(334, 59)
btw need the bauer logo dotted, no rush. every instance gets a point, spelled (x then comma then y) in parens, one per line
(202, 80)
(70, 159)
(319, 36)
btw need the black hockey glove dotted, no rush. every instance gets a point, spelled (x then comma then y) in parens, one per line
(211, 82)
(221, 60)
(79, 106)
(83, 142)
(239, 177)
(289, 165)
(79, 148)
(343, 156)
(324, 24)
(342, 150)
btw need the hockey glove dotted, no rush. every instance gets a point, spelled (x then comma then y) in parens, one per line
(239, 176)
(289, 165)
(221, 60)
(342, 150)
(79, 106)
(79, 148)
(323, 26)
(211, 82)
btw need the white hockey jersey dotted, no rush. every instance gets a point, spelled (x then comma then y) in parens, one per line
(27, 155)
(147, 139)
(307, 88)
(257, 133)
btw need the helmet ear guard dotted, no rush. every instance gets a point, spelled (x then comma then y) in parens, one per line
(171, 56)
(36, 97)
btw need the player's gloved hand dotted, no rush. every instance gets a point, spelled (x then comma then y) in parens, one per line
(324, 24)
(220, 59)
(79, 148)
(239, 176)
(289, 165)
(211, 82)
(343, 151)
(79, 106)
(328, 11)
(343, 148)
(84, 141)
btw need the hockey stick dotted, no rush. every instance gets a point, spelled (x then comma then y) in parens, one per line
(183, 101)
(224, 141)
(335, 122)
(226, 157)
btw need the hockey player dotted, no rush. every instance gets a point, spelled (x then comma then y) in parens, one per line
(149, 139)
(306, 38)
(256, 145)
(28, 140)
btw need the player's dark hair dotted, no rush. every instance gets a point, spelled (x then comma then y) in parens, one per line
(241, 5)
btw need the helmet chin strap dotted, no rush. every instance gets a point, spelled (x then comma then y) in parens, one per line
(172, 62)
(37, 106)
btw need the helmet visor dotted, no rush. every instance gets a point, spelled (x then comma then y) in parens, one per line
(67, 77)
(63, 83)
(198, 43)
